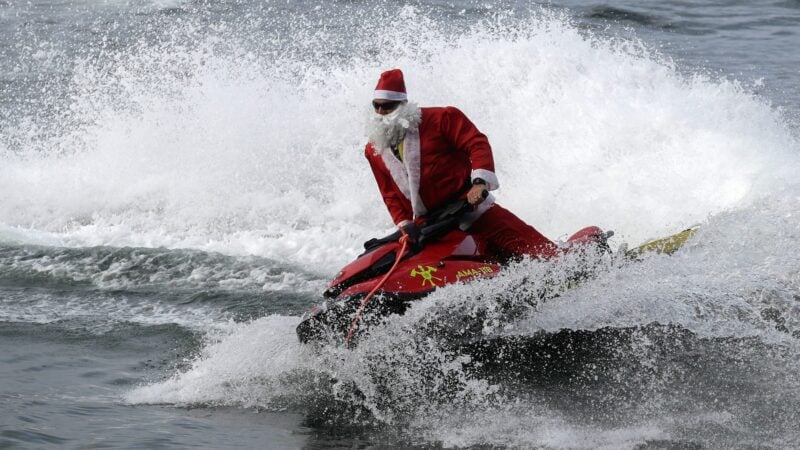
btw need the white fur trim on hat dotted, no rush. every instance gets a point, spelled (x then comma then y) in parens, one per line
(390, 95)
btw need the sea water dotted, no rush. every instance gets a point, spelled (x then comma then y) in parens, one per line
(179, 180)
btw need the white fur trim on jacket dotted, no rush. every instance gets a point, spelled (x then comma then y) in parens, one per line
(396, 170)
(488, 176)
(413, 162)
(406, 174)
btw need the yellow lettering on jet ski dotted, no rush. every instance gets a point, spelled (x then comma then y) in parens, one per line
(427, 275)
(468, 273)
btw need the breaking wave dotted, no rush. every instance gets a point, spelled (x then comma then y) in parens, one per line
(221, 155)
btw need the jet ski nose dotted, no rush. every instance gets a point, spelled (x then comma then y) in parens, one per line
(315, 311)
(309, 327)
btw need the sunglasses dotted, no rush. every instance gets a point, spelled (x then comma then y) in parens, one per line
(388, 106)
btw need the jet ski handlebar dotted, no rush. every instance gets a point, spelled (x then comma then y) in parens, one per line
(435, 225)
(443, 221)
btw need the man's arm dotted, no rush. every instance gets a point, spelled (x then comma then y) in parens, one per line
(466, 137)
(399, 207)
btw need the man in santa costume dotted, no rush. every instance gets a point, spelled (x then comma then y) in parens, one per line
(423, 158)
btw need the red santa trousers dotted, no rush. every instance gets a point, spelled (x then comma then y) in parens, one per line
(509, 237)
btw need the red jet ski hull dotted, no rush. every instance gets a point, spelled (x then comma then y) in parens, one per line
(455, 257)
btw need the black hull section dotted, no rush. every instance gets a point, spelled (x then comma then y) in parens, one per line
(330, 321)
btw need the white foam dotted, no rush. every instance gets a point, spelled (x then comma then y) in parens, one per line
(404, 375)
(247, 158)
(725, 282)
(245, 368)
(101, 315)
(533, 426)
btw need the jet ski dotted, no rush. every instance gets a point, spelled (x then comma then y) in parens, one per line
(442, 255)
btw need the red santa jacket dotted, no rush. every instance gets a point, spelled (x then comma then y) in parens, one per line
(439, 158)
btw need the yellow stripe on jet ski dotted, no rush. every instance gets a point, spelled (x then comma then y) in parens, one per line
(667, 245)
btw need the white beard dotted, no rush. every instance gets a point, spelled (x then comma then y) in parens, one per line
(386, 131)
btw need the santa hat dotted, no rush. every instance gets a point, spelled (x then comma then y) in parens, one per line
(391, 86)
